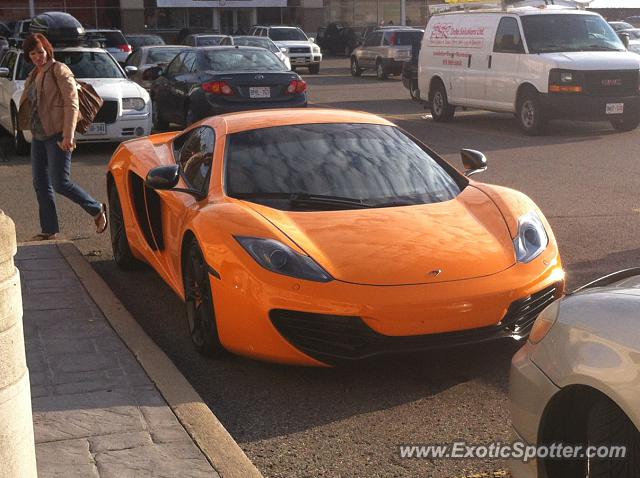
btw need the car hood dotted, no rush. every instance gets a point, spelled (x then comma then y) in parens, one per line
(115, 88)
(293, 43)
(462, 238)
(589, 60)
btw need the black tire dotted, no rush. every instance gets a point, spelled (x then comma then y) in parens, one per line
(441, 110)
(314, 69)
(626, 124)
(607, 425)
(122, 254)
(159, 123)
(529, 113)
(414, 91)
(20, 145)
(355, 69)
(381, 72)
(200, 311)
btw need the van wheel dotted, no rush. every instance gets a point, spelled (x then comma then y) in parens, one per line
(626, 124)
(441, 110)
(381, 73)
(414, 91)
(529, 114)
(607, 425)
(355, 69)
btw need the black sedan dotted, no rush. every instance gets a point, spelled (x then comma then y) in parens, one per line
(202, 82)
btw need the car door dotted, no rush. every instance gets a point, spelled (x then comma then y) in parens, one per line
(367, 55)
(7, 87)
(184, 82)
(165, 90)
(504, 63)
(193, 153)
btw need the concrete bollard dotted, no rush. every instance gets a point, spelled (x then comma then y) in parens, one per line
(17, 448)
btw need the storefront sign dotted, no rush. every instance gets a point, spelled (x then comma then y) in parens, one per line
(220, 3)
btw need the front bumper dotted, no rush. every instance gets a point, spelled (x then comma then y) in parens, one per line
(305, 59)
(530, 390)
(588, 108)
(387, 319)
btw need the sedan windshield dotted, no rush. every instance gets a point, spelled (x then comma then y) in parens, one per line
(208, 40)
(257, 41)
(563, 33)
(242, 60)
(287, 34)
(335, 166)
(83, 64)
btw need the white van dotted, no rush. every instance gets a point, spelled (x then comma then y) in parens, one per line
(540, 63)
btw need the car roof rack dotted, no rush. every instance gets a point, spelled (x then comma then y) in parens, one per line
(504, 5)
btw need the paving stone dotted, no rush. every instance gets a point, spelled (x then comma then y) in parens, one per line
(43, 264)
(56, 283)
(78, 330)
(62, 470)
(50, 317)
(81, 362)
(97, 385)
(38, 391)
(119, 441)
(149, 398)
(56, 346)
(111, 344)
(28, 275)
(159, 461)
(37, 252)
(159, 417)
(39, 378)
(35, 359)
(75, 377)
(62, 417)
(171, 435)
(72, 452)
(44, 301)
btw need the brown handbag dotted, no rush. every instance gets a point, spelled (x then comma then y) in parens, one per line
(89, 103)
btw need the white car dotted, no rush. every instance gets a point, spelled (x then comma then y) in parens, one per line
(126, 112)
(301, 50)
(577, 383)
(261, 42)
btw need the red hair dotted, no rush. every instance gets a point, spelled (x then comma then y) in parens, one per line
(33, 41)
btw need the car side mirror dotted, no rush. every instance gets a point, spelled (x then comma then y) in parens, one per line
(131, 70)
(5, 72)
(624, 37)
(312, 40)
(165, 178)
(283, 50)
(474, 162)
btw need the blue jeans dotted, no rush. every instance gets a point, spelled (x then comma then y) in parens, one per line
(51, 169)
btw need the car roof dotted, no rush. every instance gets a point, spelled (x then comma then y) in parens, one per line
(153, 47)
(257, 119)
(523, 11)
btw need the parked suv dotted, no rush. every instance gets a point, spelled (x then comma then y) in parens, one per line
(300, 50)
(385, 50)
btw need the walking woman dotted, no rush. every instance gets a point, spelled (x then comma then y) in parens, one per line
(49, 108)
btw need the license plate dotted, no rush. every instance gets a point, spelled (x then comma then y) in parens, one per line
(259, 92)
(97, 128)
(615, 108)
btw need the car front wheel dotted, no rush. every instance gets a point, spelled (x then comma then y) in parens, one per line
(199, 303)
(381, 73)
(441, 110)
(355, 69)
(119, 242)
(530, 114)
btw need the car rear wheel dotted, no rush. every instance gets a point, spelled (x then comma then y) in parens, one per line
(20, 145)
(199, 303)
(381, 73)
(626, 124)
(119, 242)
(414, 91)
(607, 425)
(355, 69)
(529, 113)
(159, 123)
(314, 69)
(441, 110)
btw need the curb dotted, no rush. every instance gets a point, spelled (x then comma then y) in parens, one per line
(215, 442)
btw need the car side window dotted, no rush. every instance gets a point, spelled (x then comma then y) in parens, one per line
(373, 39)
(175, 66)
(196, 157)
(134, 59)
(386, 39)
(188, 63)
(508, 39)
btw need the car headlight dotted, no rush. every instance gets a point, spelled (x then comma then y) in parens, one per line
(315, 48)
(532, 239)
(545, 321)
(281, 259)
(137, 104)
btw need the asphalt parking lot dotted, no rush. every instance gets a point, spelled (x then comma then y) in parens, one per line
(350, 421)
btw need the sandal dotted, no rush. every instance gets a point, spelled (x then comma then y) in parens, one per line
(101, 220)
(44, 236)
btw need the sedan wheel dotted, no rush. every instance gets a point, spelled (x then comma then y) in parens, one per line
(199, 304)
(119, 242)
(381, 74)
(355, 69)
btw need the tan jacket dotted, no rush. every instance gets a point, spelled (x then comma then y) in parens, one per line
(57, 100)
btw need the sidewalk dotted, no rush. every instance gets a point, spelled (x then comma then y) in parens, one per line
(97, 412)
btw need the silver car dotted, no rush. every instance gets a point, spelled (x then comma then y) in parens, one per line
(261, 42)
(385, 50)
(146, 57)
(577, 382)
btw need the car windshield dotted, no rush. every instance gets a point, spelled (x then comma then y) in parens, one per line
(113, 39)
(257, 41)
(208, 40)
(287, 34)
(352, 165)
(572, 32)
(162, 55)
(83, 64)
(242, 60)
(137, 42)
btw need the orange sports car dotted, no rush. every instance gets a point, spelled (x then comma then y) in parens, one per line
(322, 236)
